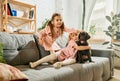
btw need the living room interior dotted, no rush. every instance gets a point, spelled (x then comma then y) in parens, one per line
(22, 20)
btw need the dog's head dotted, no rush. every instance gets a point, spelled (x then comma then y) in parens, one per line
(83, 37)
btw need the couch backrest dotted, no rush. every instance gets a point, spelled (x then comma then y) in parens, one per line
(19, 48)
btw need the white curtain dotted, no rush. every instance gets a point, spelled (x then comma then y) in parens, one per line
(89, 8)
(116, 6)
(72, 13)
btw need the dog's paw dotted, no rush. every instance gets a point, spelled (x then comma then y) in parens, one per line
(57, 65)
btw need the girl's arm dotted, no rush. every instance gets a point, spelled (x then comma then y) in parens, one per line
(82, 47)
(71, 30)
(40, 41)
(43, 33)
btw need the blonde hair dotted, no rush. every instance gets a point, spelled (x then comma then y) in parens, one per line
(71, 35)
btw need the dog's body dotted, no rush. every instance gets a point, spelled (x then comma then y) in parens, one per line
(83, 55)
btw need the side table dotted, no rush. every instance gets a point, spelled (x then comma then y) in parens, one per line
(116, 48)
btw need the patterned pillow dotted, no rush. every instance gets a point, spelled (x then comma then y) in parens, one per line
(10, 73)
(2, 59)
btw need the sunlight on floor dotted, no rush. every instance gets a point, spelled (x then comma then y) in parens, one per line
(116, 76)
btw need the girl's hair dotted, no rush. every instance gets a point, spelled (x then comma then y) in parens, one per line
(71, 35)
(51, 25)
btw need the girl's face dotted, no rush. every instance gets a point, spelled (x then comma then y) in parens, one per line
(57, 22)
(74, 36)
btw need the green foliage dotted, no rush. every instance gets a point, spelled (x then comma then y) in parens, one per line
(2, 59)
(44, 23)
(114, 25)
(92, 30)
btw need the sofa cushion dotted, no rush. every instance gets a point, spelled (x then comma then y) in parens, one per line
(19, 48)
(2, 59)
(10, 55)
(29, 53)
(23, 55)
(42, 51)
(97, 71)
(10, 73)
(7, 41)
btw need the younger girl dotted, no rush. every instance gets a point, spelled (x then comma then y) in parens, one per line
(64, 56)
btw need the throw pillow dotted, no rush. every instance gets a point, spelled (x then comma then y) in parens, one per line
(10, 73)
(24, 55)
(2, 59)
(42, 51)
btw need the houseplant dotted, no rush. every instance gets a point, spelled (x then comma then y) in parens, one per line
(114, 28)
(92, 30)
(44, 23)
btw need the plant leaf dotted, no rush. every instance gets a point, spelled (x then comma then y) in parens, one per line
(109, 27)
(109, 34)
(108, 18)
(119, 15)
(116, 22)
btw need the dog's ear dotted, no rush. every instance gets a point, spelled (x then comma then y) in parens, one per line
(87, 36)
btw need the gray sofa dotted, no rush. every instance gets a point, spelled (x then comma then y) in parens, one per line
(20, 49)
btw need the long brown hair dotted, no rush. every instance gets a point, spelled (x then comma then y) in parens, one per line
(51, 25)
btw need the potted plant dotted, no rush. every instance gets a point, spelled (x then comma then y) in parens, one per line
(44, 23)
(114, 27)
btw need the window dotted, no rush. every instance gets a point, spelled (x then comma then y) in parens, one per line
(101, 9)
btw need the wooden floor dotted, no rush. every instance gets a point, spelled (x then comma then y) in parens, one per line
(116, 76)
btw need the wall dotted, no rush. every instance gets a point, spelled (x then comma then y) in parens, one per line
(70, 10)
(72, 13)
(44, 9)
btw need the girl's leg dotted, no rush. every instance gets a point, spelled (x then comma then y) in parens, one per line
(68, 61)
(65, 62)
(48, 58)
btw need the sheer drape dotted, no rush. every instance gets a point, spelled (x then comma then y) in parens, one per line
(72, 13)
(89, 8)
(116, 6)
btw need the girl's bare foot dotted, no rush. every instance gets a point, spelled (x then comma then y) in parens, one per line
(32, 65)
(57, 64)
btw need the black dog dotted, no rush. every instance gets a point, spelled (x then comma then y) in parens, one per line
(83, 55)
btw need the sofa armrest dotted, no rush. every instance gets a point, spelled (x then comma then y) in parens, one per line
(102, 52)
(105, 53)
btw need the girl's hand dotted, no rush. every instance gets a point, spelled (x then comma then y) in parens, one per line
(74, 47)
